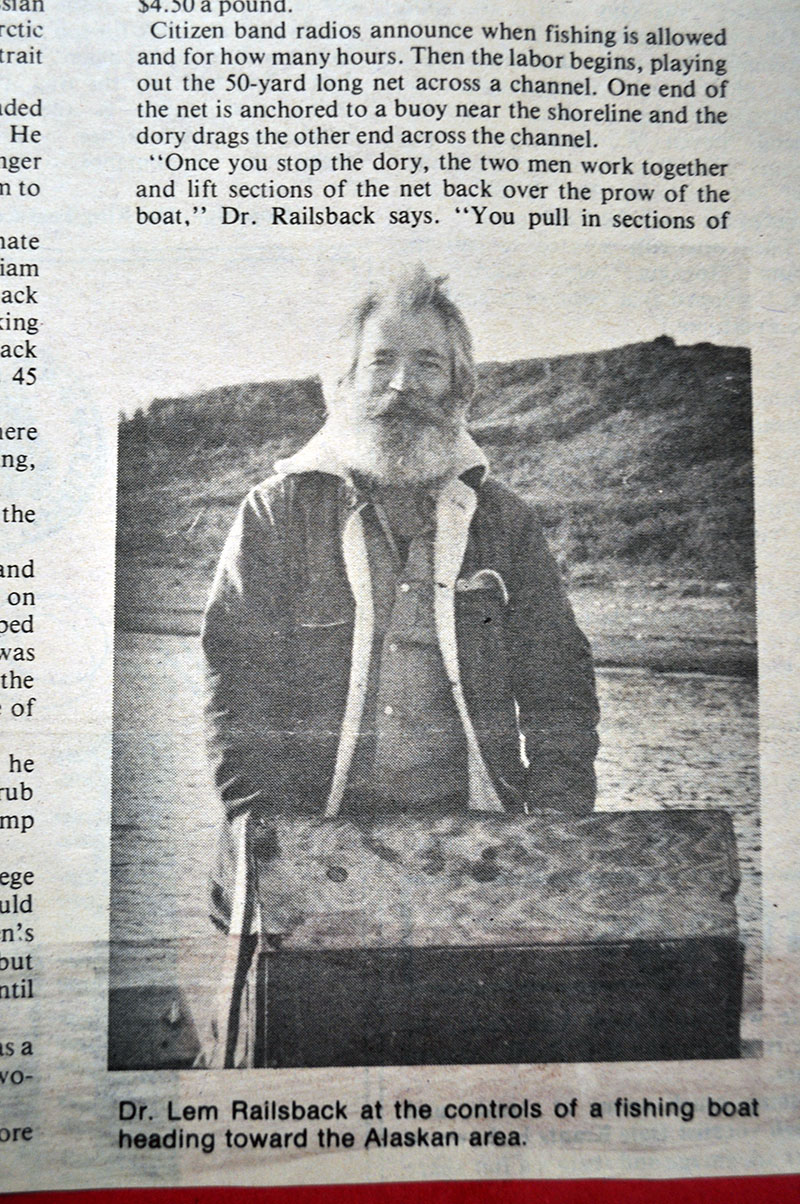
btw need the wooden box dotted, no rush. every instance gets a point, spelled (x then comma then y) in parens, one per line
(476, 939)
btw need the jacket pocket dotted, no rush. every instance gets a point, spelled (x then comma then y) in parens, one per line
(481, 632)
(320, 651)
(322, 604)
(482, 583)
(321, 624)
(484, 659)
(480, 612)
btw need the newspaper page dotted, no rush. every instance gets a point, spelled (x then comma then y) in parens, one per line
(398, 601)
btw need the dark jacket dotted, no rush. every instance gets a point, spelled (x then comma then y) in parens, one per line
(278, 639)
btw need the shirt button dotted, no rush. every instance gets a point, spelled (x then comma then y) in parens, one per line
(393, 647)
(405, 587)
(388, 710)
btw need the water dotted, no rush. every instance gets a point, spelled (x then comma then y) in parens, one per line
(668, 741)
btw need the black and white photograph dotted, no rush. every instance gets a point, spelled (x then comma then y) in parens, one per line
(435, 688)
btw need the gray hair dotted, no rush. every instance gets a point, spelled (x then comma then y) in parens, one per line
(414, 290)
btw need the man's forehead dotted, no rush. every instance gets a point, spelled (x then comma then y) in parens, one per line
(396, 326)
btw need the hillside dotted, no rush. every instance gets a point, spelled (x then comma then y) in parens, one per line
(638, 458)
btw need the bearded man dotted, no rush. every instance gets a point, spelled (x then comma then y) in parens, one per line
(387, 628)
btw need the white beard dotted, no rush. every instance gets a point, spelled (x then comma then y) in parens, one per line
(396, 451)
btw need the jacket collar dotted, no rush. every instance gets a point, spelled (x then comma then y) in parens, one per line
(320, 454)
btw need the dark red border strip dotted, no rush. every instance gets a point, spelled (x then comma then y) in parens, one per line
(761, 1189)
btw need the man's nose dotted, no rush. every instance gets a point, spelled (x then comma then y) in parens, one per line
(402, 377)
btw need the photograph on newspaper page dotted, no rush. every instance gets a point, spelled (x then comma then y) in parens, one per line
(404, 596)
(399, 711)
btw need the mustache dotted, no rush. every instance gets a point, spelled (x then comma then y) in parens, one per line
(411, 404)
